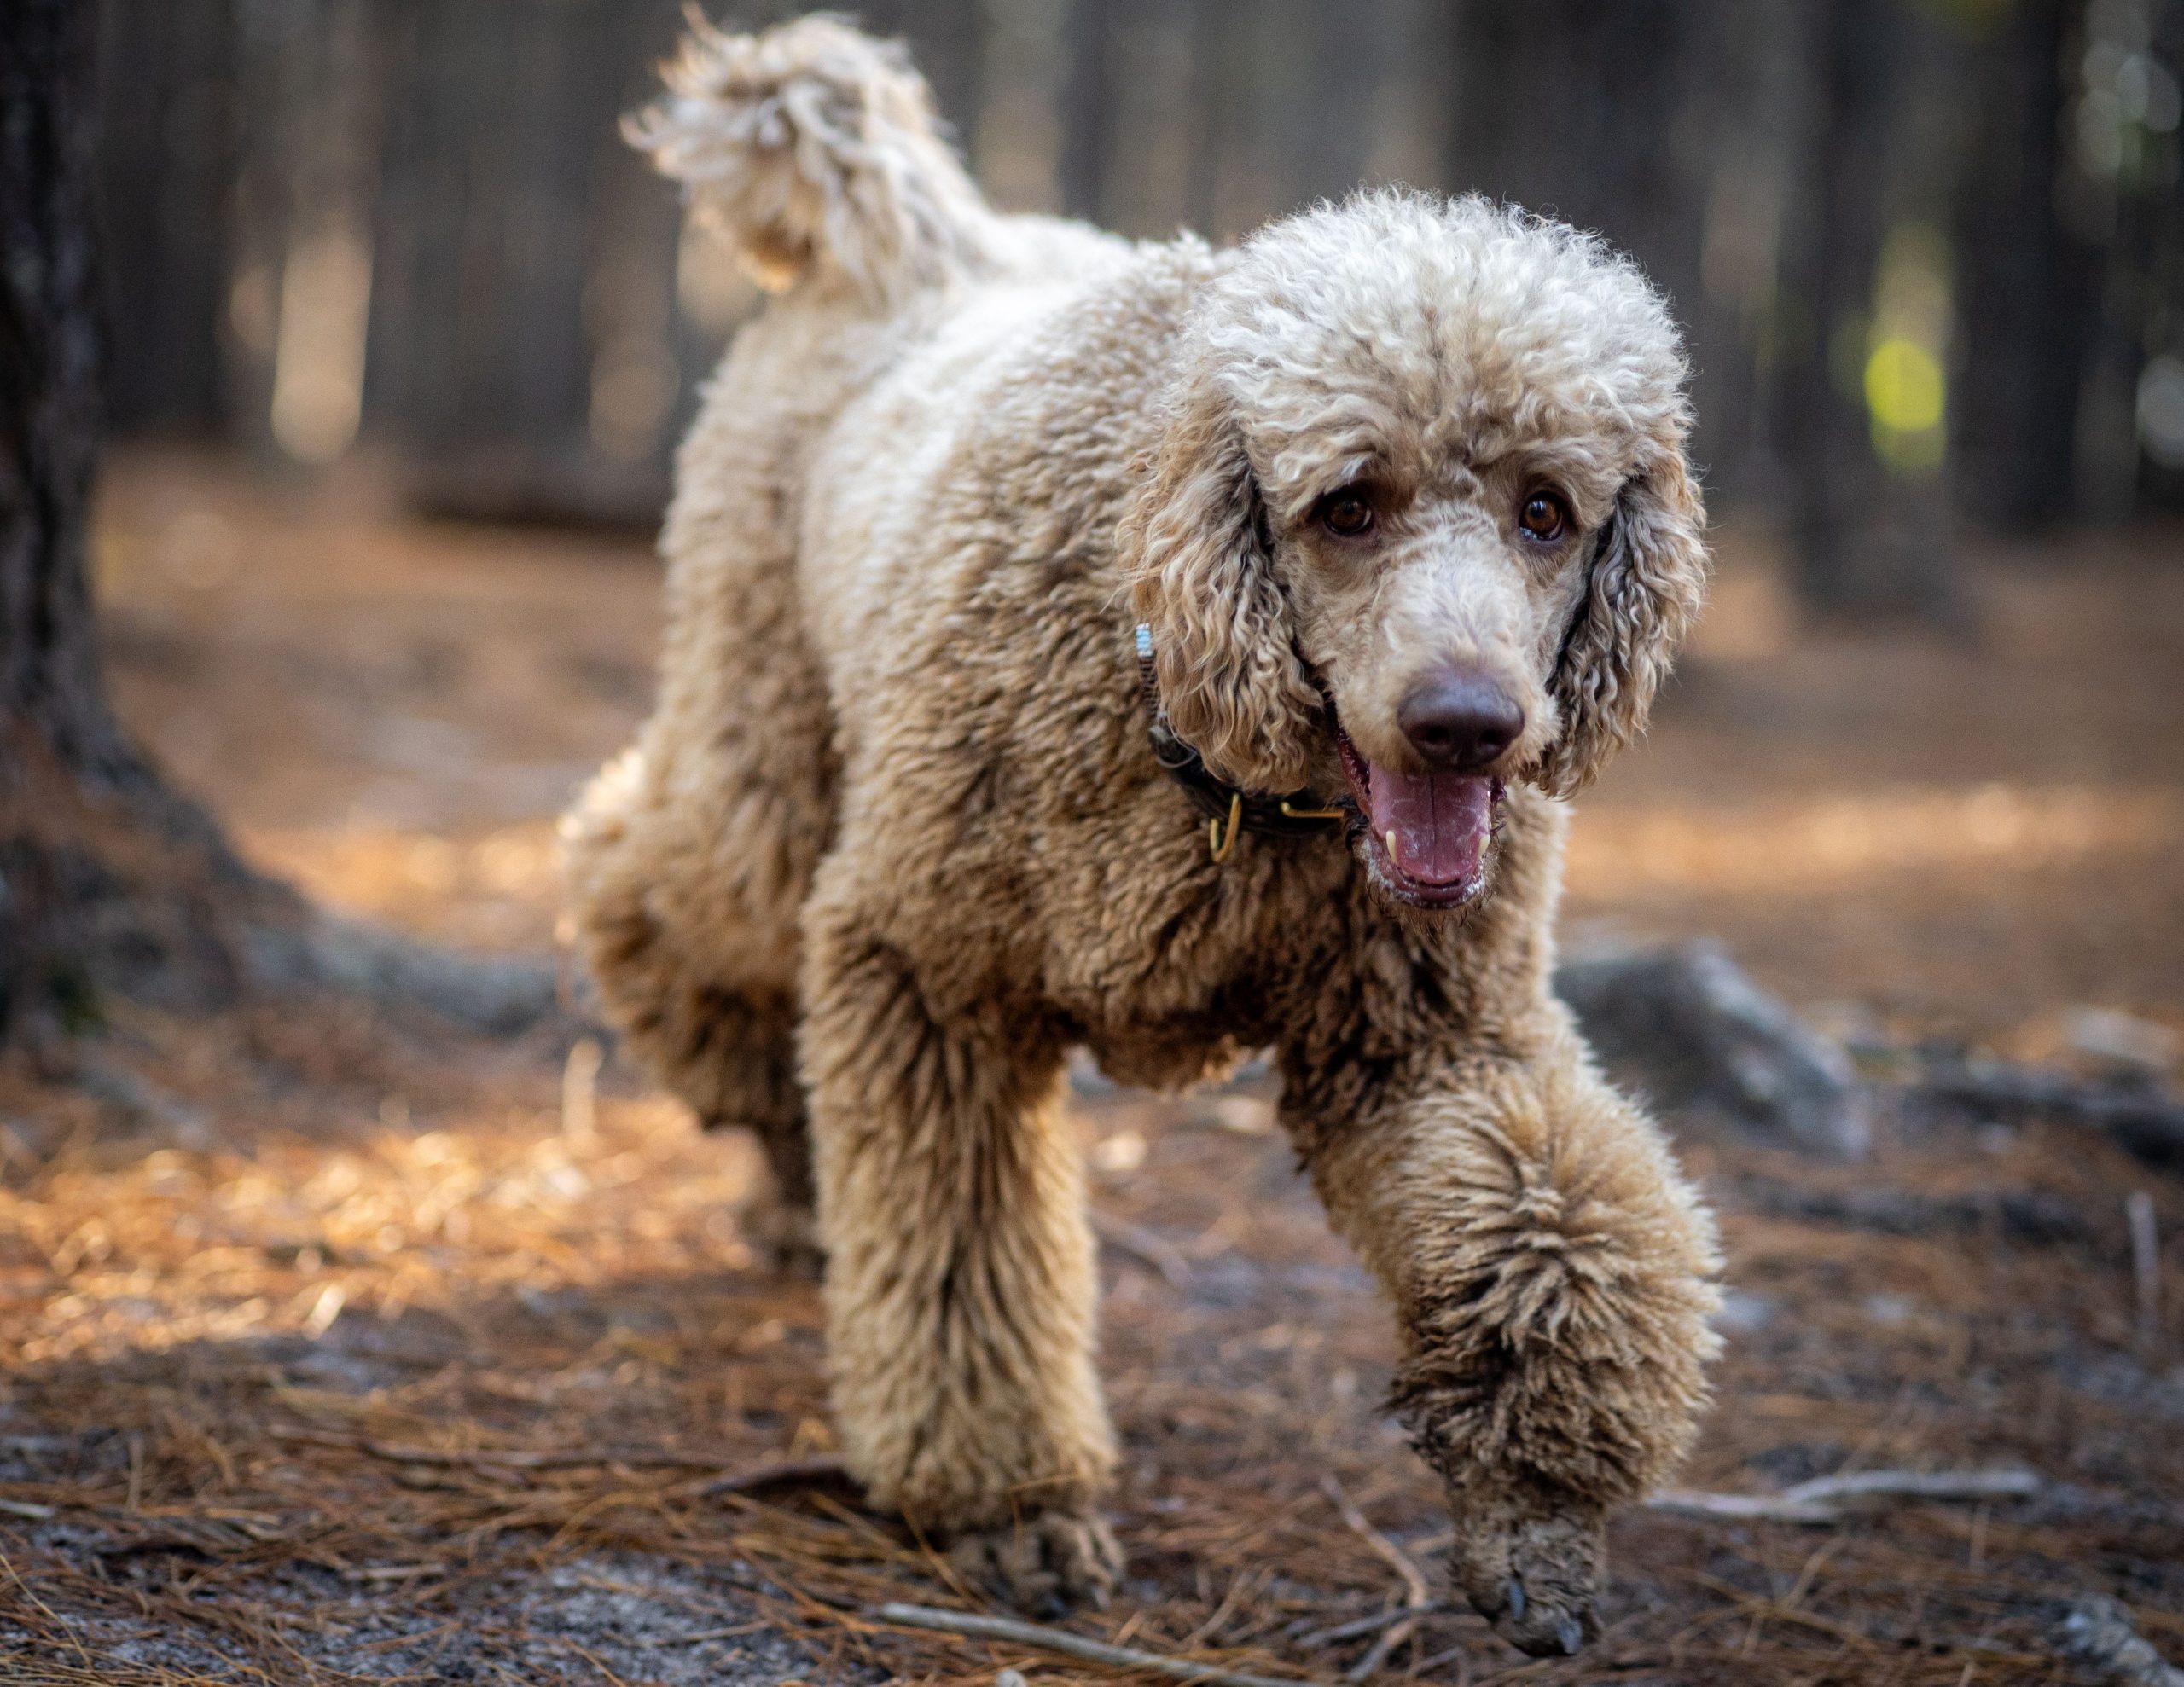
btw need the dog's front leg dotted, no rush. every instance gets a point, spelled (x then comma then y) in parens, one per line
(1552, 1272)
(959, 1276)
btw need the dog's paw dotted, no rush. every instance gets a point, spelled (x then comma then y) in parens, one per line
(1534, 1578)
(1042, 1564)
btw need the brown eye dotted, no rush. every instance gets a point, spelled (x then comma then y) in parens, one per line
(1345, 511)
(1543, 517)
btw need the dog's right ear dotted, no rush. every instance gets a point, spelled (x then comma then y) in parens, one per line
(1224, 653)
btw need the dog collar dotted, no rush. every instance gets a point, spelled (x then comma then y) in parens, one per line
(1229, 809)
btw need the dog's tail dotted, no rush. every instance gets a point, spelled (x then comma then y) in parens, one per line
(816, 148)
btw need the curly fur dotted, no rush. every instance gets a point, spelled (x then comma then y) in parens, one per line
(816, 148)
(894, 840)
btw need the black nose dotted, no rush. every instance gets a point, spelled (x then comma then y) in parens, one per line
(1459, 721)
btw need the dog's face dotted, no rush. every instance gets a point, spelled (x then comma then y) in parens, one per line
(1419, 524)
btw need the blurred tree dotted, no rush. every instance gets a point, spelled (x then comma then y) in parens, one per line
(2124, 190)
(1917, 246)
(1642, 136)
(167, 156)
(2030, 290)
(1593, 114)
(1861, 411)
(107, 877)
(505, 354)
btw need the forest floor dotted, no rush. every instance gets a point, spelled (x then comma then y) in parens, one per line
(335, 1347)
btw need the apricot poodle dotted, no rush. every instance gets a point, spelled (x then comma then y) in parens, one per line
(1172, 652)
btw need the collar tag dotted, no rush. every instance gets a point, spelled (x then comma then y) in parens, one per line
(1228, 808)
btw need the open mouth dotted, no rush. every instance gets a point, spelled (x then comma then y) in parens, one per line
(1427, 834)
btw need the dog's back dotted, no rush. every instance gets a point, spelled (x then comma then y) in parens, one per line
(815, 151)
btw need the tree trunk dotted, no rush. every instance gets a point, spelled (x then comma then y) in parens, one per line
(167, 157)
(1622, 143)
(108, 879)
(1870, 538)
(2031, 284)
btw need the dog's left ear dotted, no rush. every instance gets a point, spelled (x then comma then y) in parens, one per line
(1648, 580)
(1224, 653)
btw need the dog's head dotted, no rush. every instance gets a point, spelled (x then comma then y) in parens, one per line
(1419, 522)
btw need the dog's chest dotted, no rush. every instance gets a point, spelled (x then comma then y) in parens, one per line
(1169, 981)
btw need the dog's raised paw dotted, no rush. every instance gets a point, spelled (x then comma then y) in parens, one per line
(1043, 1564)
(1535, 1578)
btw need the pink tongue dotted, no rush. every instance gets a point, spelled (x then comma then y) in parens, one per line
(1434, 825)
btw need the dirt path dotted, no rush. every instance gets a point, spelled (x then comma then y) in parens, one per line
(336, 1349)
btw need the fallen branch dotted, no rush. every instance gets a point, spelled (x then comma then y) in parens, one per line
(1419, 1597)
(1060, 1640)
(1856, 1485)
(2100, 1632)
(1831, 1499)
(1764, 1508)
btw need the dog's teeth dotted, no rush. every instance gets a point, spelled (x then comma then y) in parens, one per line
(1392, 856)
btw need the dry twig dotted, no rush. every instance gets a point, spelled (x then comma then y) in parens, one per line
(1830, 1499)
(1358, 1627)
(508, 1458)
(1857, 1485)
(1419, 1597)
(1763, 1508)
(1070, 1645)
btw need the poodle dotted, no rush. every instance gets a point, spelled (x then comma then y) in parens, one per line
(1171, 652)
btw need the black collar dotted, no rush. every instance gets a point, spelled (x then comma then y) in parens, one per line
(1228, 808)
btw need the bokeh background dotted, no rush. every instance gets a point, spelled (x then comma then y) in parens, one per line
(1928, 253)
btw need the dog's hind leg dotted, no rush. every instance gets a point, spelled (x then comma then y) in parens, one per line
(959, 1273)
(689, 857)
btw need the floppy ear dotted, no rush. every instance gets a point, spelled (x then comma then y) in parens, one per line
(1224, 653)
(1648, 580)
